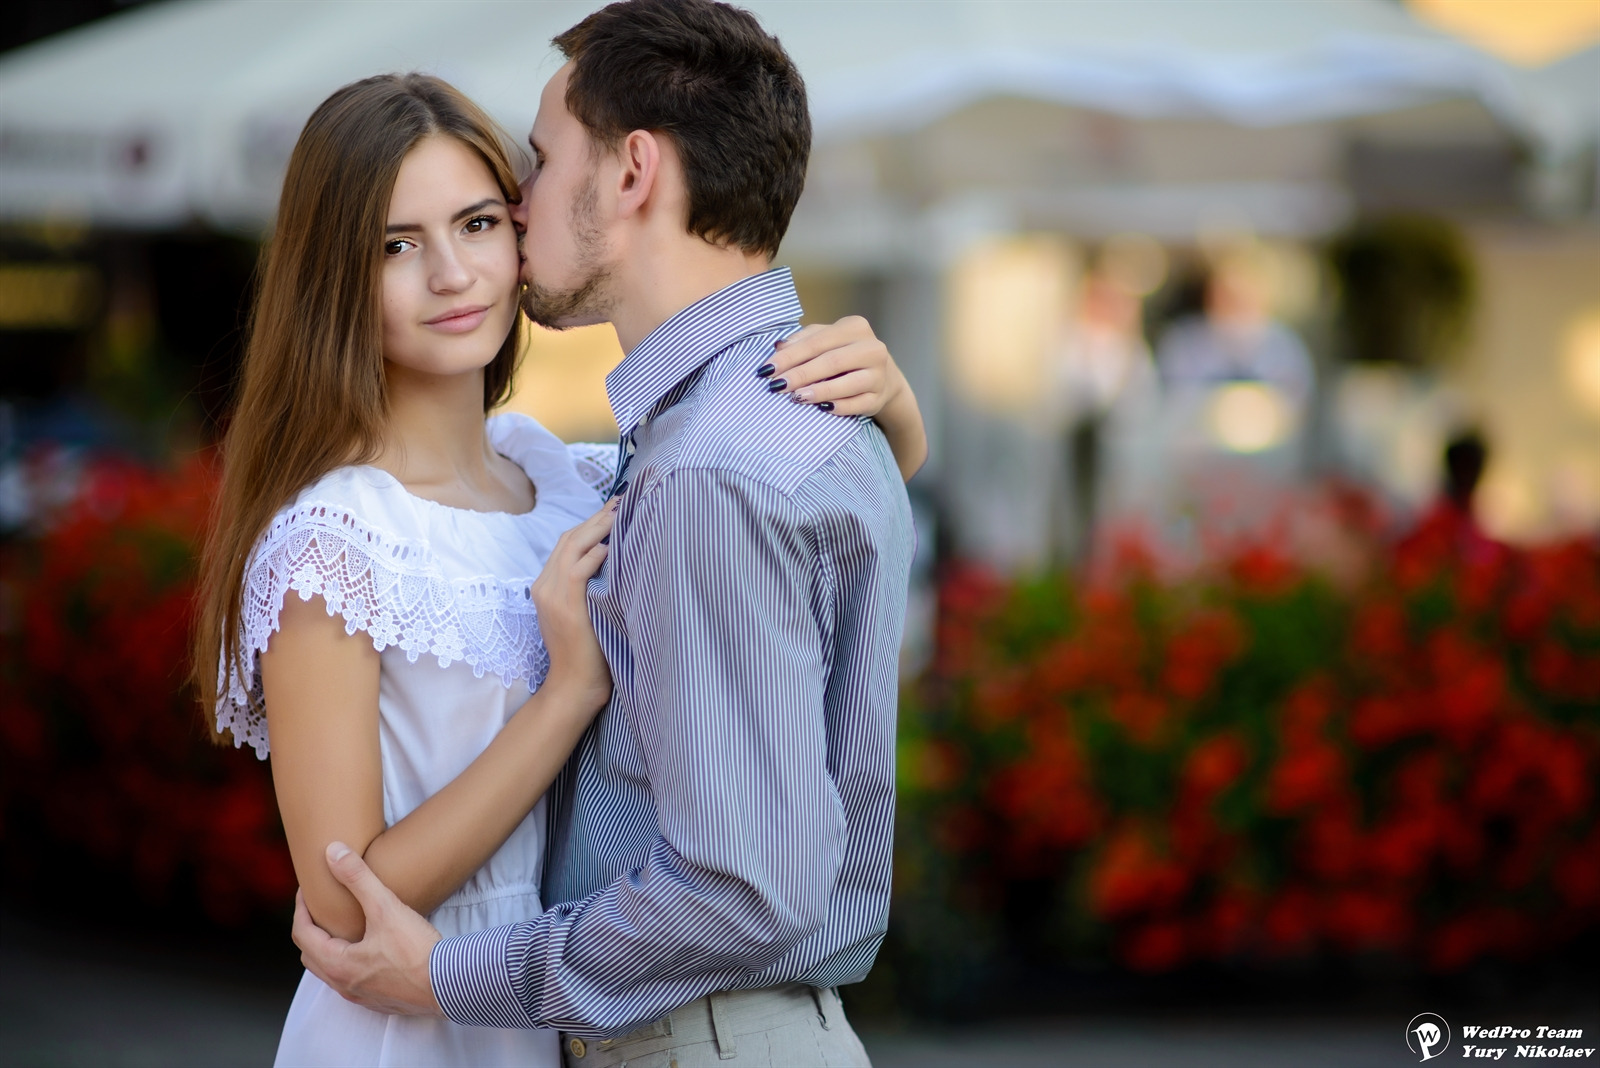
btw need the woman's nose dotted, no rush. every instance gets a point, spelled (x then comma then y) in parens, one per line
(449, 272)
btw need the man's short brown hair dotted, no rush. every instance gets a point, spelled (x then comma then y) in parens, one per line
(708, 76)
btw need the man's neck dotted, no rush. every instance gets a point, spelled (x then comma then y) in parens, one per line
(659, 282)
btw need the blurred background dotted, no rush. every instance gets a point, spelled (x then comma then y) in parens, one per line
(1251, 697)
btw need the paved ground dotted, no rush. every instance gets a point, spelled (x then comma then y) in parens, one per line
(89, 1004)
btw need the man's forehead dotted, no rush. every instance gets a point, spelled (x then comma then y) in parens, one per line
(552, 102)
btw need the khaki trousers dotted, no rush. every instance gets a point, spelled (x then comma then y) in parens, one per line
(791, 1026)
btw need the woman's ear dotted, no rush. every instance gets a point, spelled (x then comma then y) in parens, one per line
(640, 154)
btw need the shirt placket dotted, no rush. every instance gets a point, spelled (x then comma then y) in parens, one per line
(625, 450)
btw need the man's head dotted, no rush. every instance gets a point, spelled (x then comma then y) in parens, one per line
(684, 108)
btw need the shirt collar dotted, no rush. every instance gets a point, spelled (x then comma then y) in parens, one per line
(690, 338)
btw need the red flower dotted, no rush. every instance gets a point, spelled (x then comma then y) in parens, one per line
(1308, 775)
(1331, 843)
(1290, 921)
(1382, 719)
(1206, 643)
(1142, 715)
(1577, 875)
(1224, 929)
(1365, 919)
(1214, 765)
(1154, 946)
(1261, 569)
(1378, 632)
(1133, 876)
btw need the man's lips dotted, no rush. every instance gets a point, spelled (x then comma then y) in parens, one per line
(460, 320)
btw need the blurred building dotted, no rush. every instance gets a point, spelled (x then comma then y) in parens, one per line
(982, 171)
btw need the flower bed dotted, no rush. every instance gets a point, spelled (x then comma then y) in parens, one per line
(104, 762)
(1257, 761)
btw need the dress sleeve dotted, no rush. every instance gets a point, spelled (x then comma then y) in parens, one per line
(596, 463)
(388, 586)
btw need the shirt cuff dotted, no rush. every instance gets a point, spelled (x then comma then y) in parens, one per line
(472, 979)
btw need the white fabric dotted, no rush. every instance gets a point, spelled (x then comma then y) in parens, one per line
(443, 594)
(408, 571)
(596, 463)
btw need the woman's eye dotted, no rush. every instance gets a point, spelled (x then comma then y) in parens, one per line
(395, 247)
(480, 223)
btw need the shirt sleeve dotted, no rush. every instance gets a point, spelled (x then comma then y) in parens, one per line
(728, 614)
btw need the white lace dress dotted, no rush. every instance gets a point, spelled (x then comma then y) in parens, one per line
(443, 594)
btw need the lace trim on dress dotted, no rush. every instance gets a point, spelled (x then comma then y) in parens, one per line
(393, 589)
(596, 464)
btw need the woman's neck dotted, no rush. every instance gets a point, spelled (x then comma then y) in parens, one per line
(434, 438)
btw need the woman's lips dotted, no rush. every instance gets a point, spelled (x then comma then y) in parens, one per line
(460, 320)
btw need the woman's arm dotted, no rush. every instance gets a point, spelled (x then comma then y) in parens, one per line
(843, 368)
(321, 688)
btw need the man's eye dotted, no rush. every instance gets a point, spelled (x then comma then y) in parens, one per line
(395, 247)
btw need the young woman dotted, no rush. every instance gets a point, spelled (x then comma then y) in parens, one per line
(365, 490)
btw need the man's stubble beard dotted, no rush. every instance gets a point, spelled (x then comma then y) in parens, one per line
(590, 299)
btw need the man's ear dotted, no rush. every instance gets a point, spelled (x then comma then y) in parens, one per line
(640, 155)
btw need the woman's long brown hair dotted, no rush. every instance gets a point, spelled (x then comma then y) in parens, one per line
(311, 393)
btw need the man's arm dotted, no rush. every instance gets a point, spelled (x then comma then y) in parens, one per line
(725, 584)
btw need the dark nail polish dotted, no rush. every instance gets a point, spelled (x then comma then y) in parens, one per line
(764, 370)
(826, 406)
(620, 490)
(777, 385)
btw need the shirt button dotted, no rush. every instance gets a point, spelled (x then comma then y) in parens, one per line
(577, 1047)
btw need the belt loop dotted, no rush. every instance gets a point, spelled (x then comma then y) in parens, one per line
(727, 1048)
(822, 1012)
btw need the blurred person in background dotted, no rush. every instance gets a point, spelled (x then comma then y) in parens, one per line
(437, 662)
(1450, 526)
(1237, 388)
(1103, 385)
(1237, 339)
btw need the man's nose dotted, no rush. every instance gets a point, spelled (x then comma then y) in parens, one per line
(519, 210)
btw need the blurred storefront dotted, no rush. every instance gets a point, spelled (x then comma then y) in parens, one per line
(985, 180)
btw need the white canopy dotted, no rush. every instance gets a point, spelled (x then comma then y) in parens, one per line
(183, 110)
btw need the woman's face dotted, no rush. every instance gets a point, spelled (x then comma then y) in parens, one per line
(450, 263)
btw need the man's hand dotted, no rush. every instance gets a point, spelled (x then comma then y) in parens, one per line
(387, 971)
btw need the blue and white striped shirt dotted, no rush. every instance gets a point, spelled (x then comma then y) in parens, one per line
(727, 823)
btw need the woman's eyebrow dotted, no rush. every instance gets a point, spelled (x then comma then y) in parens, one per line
(470, 209)
(473, 209)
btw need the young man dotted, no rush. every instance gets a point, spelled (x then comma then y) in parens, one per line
(722, 838)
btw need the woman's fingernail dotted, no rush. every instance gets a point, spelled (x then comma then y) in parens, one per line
(619, 491)
(826, 406)
(764, 370)
(777, 385)
(337, 851)
(804, 396)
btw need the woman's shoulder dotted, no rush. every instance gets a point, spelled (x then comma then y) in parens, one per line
(353, 497)
(562, 472)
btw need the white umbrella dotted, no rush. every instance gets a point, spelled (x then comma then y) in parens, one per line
(185, 110)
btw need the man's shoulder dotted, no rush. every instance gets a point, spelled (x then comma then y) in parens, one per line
(846, 476)
(738, 427)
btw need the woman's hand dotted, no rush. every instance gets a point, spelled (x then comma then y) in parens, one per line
(578, 670)
(844, 369)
